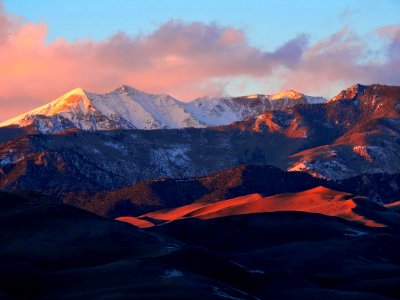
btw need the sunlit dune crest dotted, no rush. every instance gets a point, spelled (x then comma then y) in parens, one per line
(317, 200)
(394, 204)
(136, 222)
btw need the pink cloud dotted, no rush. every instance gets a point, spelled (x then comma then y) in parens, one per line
(184, 59)
(178, 58)
(392, 31)
(342, 59)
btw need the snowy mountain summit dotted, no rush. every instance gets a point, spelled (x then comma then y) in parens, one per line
(128, 108)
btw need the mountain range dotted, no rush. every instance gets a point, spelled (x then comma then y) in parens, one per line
(128, 108)
(131, 195)
(354, 133)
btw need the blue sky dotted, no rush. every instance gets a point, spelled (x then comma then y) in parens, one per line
(266, 23)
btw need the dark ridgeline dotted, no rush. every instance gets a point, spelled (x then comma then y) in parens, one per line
(157, 194)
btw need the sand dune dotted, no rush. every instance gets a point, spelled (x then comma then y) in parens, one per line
(317, 200)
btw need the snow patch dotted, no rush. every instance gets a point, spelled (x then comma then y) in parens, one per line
(327, 169)
(355, 233)
(96, 151)
(221, 293)
(330, 169)
(256, 271)
(172, 273)
(315, 100)
(5, 161)
(174, 157)
(114, 145)
(372, 153)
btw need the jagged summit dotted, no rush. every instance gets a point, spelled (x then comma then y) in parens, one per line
(349, 93)
(123, 88)
(371, 101)
(127, 89)
(358, 86)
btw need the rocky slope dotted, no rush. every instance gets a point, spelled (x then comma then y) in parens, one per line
(367, 119)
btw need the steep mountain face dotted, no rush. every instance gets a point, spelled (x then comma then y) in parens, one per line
(128, 108)
(367, 124)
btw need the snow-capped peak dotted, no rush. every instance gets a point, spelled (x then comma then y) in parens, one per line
(127, 89)
(287, 94)
(129, 108)
(75, 100)
(293, 95)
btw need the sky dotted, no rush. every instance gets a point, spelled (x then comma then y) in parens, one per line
(190, 49)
